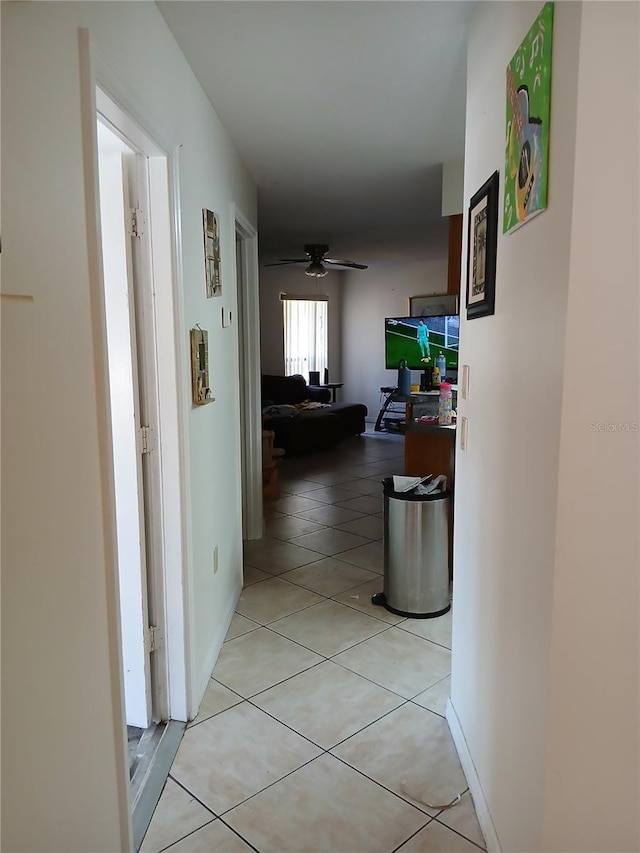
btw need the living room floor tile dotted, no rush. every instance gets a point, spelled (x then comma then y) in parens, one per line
(435, 698)
(330, 515)
(289, 526)
(369, 526)
(365, 468)
(240, 625)
(463, 819)
(363, 487)
(411, 752)
(437, 630)
(369, 556)
(360, 599)
(330, 494)
(330, 477)
(290, 504)
(269, 510)
(275, 556)
(330, 541)
(327, 703)
(328, 628)
(364, 503)
(325, 806)
(213, 836)
(256, 661)
(297, 486)
(176, 815)
(328, 576)
(382, 475)
(436, 838)
(398, 661)
(274, 599)
(252, 575)
(235, 754)
(217, 698)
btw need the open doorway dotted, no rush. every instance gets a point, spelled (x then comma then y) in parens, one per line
(248, 320)
(139, 303)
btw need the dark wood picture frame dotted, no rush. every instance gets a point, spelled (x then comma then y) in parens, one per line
(482, 245)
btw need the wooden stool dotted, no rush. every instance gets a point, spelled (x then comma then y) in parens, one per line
(270, 457)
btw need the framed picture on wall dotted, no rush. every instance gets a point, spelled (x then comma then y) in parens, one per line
(526, 162)
(200, 385)
(211, 228)
(435, 305)
(482, 247)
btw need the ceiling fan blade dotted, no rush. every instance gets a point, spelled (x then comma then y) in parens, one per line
(345, 263)
(288, 261)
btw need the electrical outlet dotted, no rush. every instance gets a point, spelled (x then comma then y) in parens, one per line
(464, 433)
(215, 559)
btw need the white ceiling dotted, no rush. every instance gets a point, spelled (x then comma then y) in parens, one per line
(342, 111)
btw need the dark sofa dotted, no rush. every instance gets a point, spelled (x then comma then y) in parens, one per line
(302, 417)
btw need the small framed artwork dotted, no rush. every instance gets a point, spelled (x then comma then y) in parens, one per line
(438, 305)
(201, 391)
(482, 247)
(211, 229)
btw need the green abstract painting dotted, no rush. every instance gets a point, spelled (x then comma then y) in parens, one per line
(528, 113)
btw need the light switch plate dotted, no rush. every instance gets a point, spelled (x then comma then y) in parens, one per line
(465, 381)
(464, 433)
(226, 318)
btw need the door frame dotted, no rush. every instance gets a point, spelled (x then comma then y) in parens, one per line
(168, 593)
(105, 92)
(248, 321)
(126, 300)
(94, 72)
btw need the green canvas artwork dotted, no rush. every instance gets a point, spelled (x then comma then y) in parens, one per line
(527, 130)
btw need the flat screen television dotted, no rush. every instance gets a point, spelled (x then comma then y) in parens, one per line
(417, 338)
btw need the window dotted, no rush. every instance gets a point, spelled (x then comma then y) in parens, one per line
(305, 335)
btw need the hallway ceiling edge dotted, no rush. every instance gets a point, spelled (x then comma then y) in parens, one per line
(342, 111)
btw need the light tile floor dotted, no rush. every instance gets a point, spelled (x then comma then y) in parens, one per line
(322, 728)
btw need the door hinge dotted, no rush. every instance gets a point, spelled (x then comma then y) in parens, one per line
(154, 638)
(135, 222)
(147, 440)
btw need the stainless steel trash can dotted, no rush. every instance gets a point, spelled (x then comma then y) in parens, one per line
(416, 553)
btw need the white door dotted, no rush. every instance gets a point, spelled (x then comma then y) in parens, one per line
(119, 185)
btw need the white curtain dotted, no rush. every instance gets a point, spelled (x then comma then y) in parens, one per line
(305, 336)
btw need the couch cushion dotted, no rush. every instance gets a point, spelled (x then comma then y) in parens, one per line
(284, 389)
(352, 417)
(316, 429)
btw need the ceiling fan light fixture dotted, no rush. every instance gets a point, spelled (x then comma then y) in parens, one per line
(316, 270)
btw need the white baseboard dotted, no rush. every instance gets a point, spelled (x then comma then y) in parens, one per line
(214, 651)
(469, 770)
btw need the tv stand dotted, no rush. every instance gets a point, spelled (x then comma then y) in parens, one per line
(388, 401)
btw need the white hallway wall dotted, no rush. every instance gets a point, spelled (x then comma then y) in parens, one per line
(545, 618)
(63, 776)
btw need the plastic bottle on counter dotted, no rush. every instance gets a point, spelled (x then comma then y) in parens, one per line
(404, 379)
(441, 364)
(444, 406)
(436, 377)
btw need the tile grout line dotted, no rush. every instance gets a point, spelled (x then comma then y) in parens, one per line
(182, 837)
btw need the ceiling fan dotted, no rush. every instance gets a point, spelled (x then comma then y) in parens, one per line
(315, 253)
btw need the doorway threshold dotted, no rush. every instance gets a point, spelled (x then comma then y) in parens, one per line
(149, 769)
